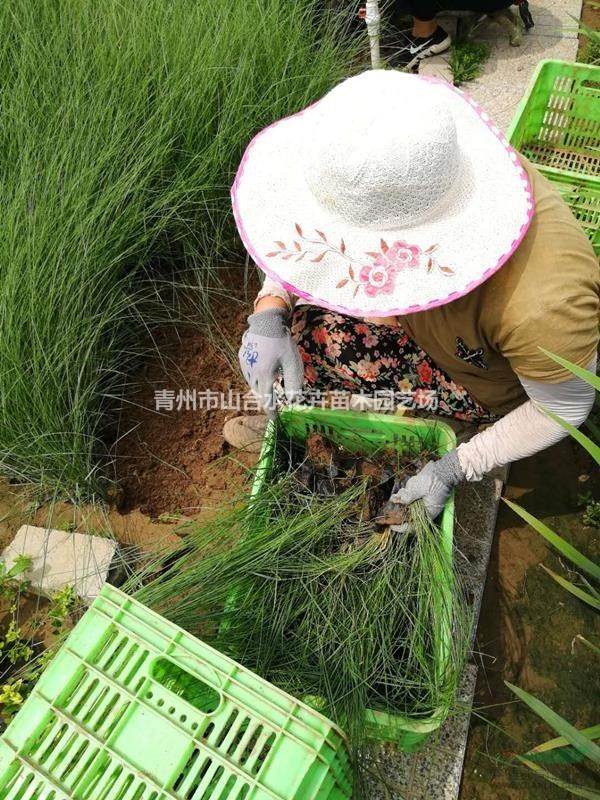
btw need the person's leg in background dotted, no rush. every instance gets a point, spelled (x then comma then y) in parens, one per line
(426, 38)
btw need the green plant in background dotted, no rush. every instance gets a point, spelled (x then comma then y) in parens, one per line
(11, 699)
(591, 51)
(15, 646)
(18, 687)
(580, 740)
(121, 128)
(12, 580)
(62, 606)
(587, 590)
(591, 509)
(467, 59)
(23, 650)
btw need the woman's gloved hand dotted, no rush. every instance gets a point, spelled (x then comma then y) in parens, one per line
(267, 346)
(432, 484)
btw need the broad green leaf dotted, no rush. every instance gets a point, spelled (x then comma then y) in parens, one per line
(591, 589)
(590, 733)
(566, 549)
(585, 441)
(594, 648)
(574, 590)
(593, 428)
(580, 372)
(560, 725)
(578, 791)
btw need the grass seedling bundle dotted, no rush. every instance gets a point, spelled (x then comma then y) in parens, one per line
(122, 125)
(307, 585)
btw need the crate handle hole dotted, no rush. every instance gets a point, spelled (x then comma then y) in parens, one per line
(590, 84)
(185, 685)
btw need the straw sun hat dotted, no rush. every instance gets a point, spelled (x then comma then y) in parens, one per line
(394, 193)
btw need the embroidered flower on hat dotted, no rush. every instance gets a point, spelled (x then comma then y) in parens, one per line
(375, 278)
(399, 255)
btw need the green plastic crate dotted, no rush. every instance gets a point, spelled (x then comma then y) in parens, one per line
(557, 127)
(366, 433)
(134, 708)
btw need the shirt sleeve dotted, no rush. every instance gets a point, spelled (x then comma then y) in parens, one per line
(528, 429)
(272, 289)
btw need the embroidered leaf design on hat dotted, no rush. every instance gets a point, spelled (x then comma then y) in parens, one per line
(375, 276)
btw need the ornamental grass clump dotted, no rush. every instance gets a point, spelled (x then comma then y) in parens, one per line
(308, 589)
(122, 125)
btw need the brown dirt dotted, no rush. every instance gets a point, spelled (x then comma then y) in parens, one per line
(176, 462)
(526, 632)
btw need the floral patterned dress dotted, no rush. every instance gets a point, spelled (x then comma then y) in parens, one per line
(346, 355)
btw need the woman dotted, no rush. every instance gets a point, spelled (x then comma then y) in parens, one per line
(409, 248)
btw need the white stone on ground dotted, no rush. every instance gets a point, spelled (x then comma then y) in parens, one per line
(60, 559)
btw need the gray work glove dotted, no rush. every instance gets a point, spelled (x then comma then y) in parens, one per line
(267, 347)
(432, 484)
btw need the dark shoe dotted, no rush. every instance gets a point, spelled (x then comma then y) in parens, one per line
(415, 49)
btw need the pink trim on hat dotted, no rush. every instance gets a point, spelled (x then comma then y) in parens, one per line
(358, 312)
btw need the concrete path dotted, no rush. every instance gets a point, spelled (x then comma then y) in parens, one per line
(507, 72)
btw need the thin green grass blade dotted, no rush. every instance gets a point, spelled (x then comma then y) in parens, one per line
(580, 372)
(558, 723)
(578, 791)
(586, 597)
(563, 547)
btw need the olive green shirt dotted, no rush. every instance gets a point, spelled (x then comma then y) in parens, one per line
(546, 295)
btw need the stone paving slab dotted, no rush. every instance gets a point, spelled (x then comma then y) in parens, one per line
(508, 71)
(434, 772)
(63, 559)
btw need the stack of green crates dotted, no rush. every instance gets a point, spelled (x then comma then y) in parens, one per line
(557, 127)
(134, 708)
(367, 433)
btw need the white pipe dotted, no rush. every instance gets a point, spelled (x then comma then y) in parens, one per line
(373, 20)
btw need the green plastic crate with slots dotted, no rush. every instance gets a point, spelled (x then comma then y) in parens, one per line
(134, 708)
(557, 127)
(367, 433)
